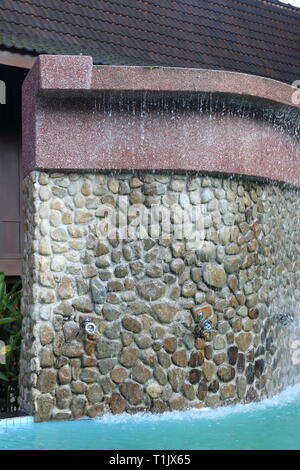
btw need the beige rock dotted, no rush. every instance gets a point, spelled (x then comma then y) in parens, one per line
(46, 333)
(83, 216)
(227, 391)
(209, 370)
(160, 375)
(202, 391)
(44, 178)
(45, 193)
(180, 358)
(58, 263)
(242, 311)
(78, 406)
(44, 405)
(243, 340)
(143, 341)
(119, 374)
(82, 286)
(226, 373)
(176, 377)
(219, 358)
(107, 348)
(89, 271)
(189, 391)
(189, 289)
(178, 249)
(64, 308)
(232, 264)
(129, 356)
(140, 373)
(224, 235)
(78, 387)
(73, 349)
(55, 221)
(94, 393)
(178, 403)
(46, 356)
(102, 249)
(170, 344)
(47, 380)
(110, 312)
(152, 289)
(95, 410)
(154, 390)
(241, 384)
(90, 375)
(113, 186)
(63, 397)
(177, 265)
(132, 391)
(136, 183)
(86, 188)
(207, 252)
(214, 275)
(103, 261)
(117, 403)
(164, 311)
(154, 270)
(59, 235)
(219, 342)
(57, 204)
(75, 232)
(64, 375)
(67, 218)
(45, 246)
(212, 401)
(83, 304)
(47, 279)
(65, 289)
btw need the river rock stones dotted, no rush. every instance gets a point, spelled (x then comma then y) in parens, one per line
(145, 294)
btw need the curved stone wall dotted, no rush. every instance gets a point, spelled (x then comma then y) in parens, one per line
(145, 295)
(189, 161)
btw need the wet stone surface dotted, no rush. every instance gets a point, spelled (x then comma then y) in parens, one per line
(145, 295)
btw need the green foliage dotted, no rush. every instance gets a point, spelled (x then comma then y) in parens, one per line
(10, 334)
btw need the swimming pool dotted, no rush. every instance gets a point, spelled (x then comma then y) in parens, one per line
(271, 424)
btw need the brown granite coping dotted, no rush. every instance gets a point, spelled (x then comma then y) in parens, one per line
(79, 73)
(62, 129)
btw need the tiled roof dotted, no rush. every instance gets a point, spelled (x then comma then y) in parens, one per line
(260, 37)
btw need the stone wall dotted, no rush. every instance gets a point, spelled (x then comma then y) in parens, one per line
(145, 295)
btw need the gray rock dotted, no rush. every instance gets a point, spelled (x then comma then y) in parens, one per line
(98, 291)
(107, 349)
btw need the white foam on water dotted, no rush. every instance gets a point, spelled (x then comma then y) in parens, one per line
(289, 395)
(20, 420)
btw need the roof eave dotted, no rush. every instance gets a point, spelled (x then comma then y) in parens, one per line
(17, 59)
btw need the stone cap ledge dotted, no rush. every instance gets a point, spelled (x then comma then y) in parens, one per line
(64, 129)
(73, 73)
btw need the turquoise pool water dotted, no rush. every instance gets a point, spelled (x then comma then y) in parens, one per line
(271, 424)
